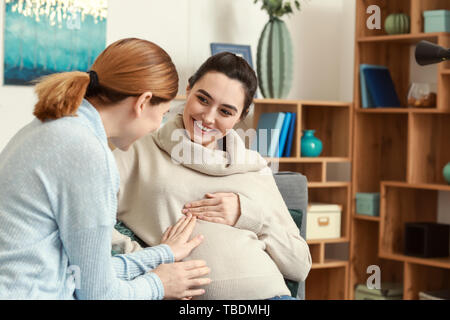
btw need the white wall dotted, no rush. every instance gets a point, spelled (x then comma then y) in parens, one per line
(322, 35)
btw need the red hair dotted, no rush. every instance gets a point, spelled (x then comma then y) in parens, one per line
(128, 67)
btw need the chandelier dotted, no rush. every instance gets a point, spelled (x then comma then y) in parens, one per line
(59, 10)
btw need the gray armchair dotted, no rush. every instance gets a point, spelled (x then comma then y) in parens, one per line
(293, 187)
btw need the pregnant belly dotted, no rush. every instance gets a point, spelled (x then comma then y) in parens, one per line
(239, 264)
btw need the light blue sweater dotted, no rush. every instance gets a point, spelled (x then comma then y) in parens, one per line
(58, 188)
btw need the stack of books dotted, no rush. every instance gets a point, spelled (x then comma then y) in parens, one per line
(275, 134)
(377, 87)
(388, 291)
(435, 295)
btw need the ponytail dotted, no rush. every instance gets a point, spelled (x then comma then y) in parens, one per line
(60, 94)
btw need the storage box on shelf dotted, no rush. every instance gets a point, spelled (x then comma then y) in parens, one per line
(437, 21)
(368, 203)
(405, 145)
(323, 221)
(426, 239)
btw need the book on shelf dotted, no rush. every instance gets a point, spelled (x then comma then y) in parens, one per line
(366, 98)
(435, 295)
(288, 148)
(388, 291)
(275, 134)
(268, 133)
(379, 87)
(284, 133)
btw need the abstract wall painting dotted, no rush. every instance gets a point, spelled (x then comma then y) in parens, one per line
(42, 37)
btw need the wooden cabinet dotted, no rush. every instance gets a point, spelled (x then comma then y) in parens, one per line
(328, 278)
(399, 152)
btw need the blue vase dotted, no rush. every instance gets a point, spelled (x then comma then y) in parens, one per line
(446, 173)
(311, 146)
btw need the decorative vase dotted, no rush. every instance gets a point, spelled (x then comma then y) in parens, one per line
(311, 146)
(274, 60)
(446, 173)
(397, 23)
(420, 96)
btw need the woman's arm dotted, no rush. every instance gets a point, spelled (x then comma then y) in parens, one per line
(131, 265)
(135, 260)
(276, 228)
(89, 250)
(84, 207)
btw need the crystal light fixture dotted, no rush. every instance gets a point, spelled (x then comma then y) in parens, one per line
(59, 10)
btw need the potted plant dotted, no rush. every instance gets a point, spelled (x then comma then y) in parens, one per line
(274, 55)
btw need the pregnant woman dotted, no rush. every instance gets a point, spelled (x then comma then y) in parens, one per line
(197, 164)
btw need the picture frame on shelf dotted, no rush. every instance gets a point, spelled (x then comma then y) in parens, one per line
(240, 50)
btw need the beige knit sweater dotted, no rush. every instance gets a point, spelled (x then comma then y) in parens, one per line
(247, 261)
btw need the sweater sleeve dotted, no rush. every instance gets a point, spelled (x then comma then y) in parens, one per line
(98, 279)
(275, 227)
(84, 201)
(129, 266)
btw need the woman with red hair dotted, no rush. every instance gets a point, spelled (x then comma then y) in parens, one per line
(58, 199)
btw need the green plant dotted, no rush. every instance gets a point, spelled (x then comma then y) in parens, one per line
(278, 8)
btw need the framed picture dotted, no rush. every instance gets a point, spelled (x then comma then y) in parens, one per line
(39, 46)
(243, 51)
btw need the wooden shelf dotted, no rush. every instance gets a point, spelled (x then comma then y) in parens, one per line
(303, 102)
(443, 263)
(423, 186)
(405, 38)
(399, 152)
(327, 104)
(330, 263)
(325, 241)
(367, 218)
(309, 160)
(275, 101)
(399, 110)
(332, 122)
(336, 184)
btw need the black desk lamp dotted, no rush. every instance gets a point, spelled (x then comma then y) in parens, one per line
(430, 53)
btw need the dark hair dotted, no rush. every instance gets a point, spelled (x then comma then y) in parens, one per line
(233, 67)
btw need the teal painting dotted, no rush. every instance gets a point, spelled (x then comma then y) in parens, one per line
(37, 48)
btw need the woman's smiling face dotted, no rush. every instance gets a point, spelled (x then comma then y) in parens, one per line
(213, 106)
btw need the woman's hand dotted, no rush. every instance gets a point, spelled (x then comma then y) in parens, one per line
(182, 279)
(220, 207)
(176, 237)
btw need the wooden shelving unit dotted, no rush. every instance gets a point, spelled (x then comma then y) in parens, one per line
(328, 278)
(399, 152)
